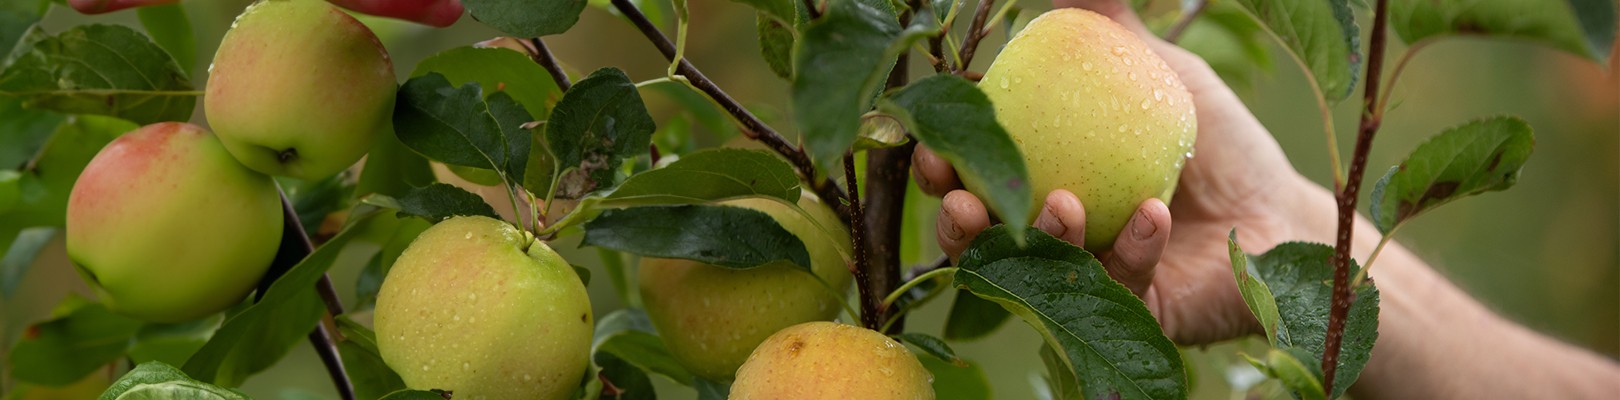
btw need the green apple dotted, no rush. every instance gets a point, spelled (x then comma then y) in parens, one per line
(481, 308)
(832, 361)
(1094, 111)
(167, 227)
(711, 317)
(299, 88)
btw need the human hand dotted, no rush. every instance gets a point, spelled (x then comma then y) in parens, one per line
(437, 13)
(1239, 178)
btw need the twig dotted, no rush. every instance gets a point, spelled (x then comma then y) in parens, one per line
(975, 33)
(752, 126)
(1186, 20)
(1370, 120)
(870, 307)
(542, 56)
(813, 8)
(295, 246)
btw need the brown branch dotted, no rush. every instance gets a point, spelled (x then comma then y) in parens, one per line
(1186, 20)
(813, 9)
(871, 310)
(1371, 118)
(295, 246)
(975, 33)
(542, 56)
(752, 126)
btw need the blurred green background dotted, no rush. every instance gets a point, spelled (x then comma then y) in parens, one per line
(1545, 253)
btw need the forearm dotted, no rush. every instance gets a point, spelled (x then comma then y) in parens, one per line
(1437, 342)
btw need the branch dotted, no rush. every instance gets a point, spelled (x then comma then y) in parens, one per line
(1186, 20)
(1370, 120)
(542, 56)
(751, 125)
(975, 33)
(870, 300)
(813, 8)
(295, 246)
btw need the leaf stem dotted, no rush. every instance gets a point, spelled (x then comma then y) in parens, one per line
(751, 125)
(1370, 121)
(295, 246)
(542, 56)
(895, 295)
(1362, 274)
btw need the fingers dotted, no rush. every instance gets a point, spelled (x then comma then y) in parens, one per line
(961, 218)
(1063, 216)
(1136, 253)
(934, 175)
(1117, 10)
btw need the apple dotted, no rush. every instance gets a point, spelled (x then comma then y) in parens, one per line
(437, 13)
(166, 226)
(93, 7)
(1095, 111)
(480, 308)
(832, 361)
(299, 88)
(711, 317)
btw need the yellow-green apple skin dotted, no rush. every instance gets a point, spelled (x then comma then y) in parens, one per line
(481, 308)
(832, 361)
(166, 226)
(299, 88)
(1094, 111)
(711, 317)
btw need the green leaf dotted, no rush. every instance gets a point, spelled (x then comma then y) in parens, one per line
(619, 276)
(263, 332)
(709, 175)
(711, 390)
(840, 61)
(776, 44)
(1255, 293)
(1481, 156)
(437, 202)
(1581, 27)
(527, 18)
(83, 338)
(623, 380)
(15, 19)
(392, 169)
(369, 283)
(461, 126)
(314, 200)
(628, 335)
(1294, 375)
(955, 120)
(932, 346)
(370, 375)
(784, 10)
(25, 133)
(45, 185)
(1060, 380)
(973, 318)
(730, 237)
(1301, 277)
(1230, 42)
(14, 262)
(1321, 34)
(417, 395)
(98, 69)
(496, 70)
(600, 122)
(1106, 335)
(158, 381)
(957, 382)
(702, 110)
(173, 343)
(170, 28)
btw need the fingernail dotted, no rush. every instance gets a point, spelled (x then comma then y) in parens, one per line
(952, 230)
(1049, 223)
(1141, 227)
(922, 179)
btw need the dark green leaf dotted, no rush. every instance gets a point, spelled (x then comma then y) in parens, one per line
(973, 318)
(173, 343)
(14, 262)
(44, 187)
(261, 334)
(932, 346)
(158, 381)
(495, 70)
(957, 382)
(1106, 335)
(25, 133)
(99, 69)
(619, 275)
(1581, 27)
(170, 28)
(711, 390)
(1294, 375)
(1480, 156)
(622, 380)
(459, 125)
(731, 237)
(1300, 276)
(776, 44)
(955, 120)
(628, 335)
(437, 202)
(527, 18)
(367, 285)
(417, 395)
(599, 123)
(784, 10)
(1255, 293)
(82, 338)
(392, 169)
(1061, 383)
(370, 375)
(16, 17)
(709, 175)
(703, 111)
(314, 200)
(840, 61)
(1321, 34)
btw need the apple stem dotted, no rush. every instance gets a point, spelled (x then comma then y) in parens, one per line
(542, 56)
(295, 246)
(751, 125)
(1370, 121)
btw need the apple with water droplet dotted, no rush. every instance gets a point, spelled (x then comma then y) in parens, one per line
(1095, 111)
(832, 361)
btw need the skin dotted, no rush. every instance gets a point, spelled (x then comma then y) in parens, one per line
(711, 317)
(1093, 111)
(467, 309)
(167, 227)
(299, 88)
(436, 13)
(832, 361)
(1434, 340)
(92, 7)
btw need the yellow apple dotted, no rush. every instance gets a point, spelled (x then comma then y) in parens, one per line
(832, 361)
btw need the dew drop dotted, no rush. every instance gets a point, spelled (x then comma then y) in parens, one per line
(1085, 65)
(1158, 95)
(1119, 50)
(425, 367)
(1003, 82)
(1128, 61)
(465, 366)
(472, 296)
(527, 377)
(1132, 76)
(1122, 128)
(1146, 103)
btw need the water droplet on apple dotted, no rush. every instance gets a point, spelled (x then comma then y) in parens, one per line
(1003, 82)
(1086, 65)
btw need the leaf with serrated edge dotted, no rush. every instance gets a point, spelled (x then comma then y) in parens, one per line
(156, 380)
(99, 69)
(599, 123)
(1300, 276)
(932, 346)
(440, 201)
(1480, 156)
(839, 61)
(527, 18)
(1255, 293)
(461, 126)
(725, 236)
(1581, 27)
(1321, 34)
